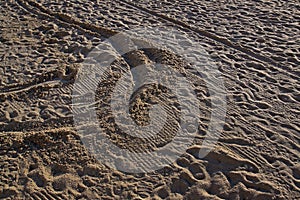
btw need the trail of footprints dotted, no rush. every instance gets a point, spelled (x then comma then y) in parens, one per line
(263, 115)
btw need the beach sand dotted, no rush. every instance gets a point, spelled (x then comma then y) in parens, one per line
(255, 46)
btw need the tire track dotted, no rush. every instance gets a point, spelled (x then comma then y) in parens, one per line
(29, 87)
(98, 31)
(224, 41)
(65, 19)
(62, 122)
(101, 32)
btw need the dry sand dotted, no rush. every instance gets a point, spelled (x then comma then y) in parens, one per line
(254, 44)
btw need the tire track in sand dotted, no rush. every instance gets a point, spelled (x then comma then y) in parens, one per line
(106, 32)
(222, 40)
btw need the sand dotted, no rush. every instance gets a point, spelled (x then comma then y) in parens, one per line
(255, 46)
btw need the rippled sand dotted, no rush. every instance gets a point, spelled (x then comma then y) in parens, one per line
(255, 45)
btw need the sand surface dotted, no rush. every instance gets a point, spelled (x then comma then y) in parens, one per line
(255, 46)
